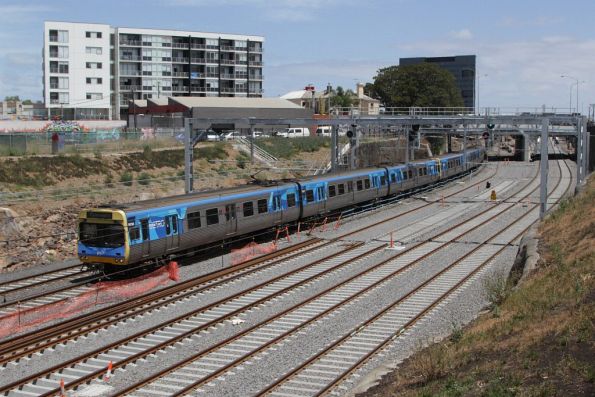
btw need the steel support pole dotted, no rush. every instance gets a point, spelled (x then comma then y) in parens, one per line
(544, 168)
(585, 157)
(188, 156)
(407, 146)
(579, 150)
(334, 147)
(251, 143)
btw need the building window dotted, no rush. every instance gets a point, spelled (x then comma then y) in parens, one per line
(93, 50)
(62, 36)
(94, 65)
(248, 208)
(94, 80)
(93, 35)
(94, 95)
(63, 97)
(193, 220)
(60, 83)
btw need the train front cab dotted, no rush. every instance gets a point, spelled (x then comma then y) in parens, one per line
(103, 237)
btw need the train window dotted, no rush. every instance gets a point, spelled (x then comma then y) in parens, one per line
(276, 203)
(193, 220)
(410, 174)
(309, 196)
(212, 216)
(134, 233)
(349, 186)
(332, 190)
(393, 178)
(248, 208)
(360, 185)
(262, 206)
(321, 195)
(383, 180)
(341, 188)
(167, 226)
(144, 225)
(367, 183)
(174, 223)
(291, 200)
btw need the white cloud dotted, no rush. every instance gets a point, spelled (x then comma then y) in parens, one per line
(463, 34)
(537, 21)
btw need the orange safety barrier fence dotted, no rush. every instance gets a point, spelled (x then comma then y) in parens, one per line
(101, 293)
(249, 251)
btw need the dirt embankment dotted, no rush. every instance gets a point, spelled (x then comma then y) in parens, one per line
(536, 340)
(44, 194)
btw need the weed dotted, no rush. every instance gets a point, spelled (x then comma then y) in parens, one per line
(241, 160)
(126, 178)
(496, 288)
(457, 333)
(147, 153)
(432, 363)
(109, 180)
(144, 178)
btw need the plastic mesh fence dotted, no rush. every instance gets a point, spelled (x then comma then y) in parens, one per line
(249, 251)
(101, 293)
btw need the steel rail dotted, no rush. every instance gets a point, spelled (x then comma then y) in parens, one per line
(229, 340)
(414, 320)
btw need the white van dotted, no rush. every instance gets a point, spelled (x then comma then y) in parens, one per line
(294, 132)
(324, 130)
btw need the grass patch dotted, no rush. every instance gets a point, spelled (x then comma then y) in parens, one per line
(144, 179)
(126, 178)
(289, 147)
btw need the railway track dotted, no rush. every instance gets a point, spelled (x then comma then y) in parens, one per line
(219, 361)
(67, 292)
(50, 378)
(325, 370)
(109, 317)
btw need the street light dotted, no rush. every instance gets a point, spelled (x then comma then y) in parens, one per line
(577, 82)
(477, 90)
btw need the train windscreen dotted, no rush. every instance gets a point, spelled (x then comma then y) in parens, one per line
(101, 235)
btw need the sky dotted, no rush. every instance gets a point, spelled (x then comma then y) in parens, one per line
(523, 47)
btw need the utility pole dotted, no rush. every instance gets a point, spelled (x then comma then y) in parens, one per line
(334, 147)
(544, 168)
(134, 107)
(188, 157)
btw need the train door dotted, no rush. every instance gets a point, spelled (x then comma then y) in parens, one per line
(321, 199)
(231, 219)
(277, 208)
(171, 232)
(146, 245)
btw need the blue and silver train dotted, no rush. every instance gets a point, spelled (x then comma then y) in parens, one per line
(157, 229)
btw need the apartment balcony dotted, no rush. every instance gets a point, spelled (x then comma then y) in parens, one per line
(212, 47)
(196, 88)
(255, 63)
(228, 62)
(127, 87)
(228, 90)
(227, 76)
(53, 39)
(241, 75)
(57, 70)
(180, 74)
(54, 102)
(179, 89)
(212, 75)
(53, 54)
(256, 50)
(257, 77)
(130, 58)
(179, 45)
(179, 60)
(256, 91)
(212, 89)
(134, 43)
(198, 46)
(130, 73)
(198, 60)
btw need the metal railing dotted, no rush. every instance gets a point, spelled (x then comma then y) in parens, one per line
(130, 57)
(256, 63)
(130, 42)
(180, 60)
(198, 60)
(130, 73)
(126, 87)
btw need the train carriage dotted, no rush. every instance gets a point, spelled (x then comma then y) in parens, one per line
(156, 229)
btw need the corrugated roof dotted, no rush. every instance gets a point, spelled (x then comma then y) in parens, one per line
(234, 102)
(141, 103)
(163, 101)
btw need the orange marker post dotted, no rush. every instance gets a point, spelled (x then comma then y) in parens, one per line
(108, 374)
(299, 226)
(277, 236)
(287, 234)
(338, 221)
(323, 228)
(392, 242)
(62, 388)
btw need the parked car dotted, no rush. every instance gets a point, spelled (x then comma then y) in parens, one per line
(260, 134)
(294, 132)
(212, 136)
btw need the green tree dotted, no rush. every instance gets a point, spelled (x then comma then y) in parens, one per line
(423, 85)
(12, 98)
(27, 102)
(342, 98)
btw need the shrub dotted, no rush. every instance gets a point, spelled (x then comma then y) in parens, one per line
(109, 180)
(126, 178)
(144, 178)
(496, 288)
(147, 153)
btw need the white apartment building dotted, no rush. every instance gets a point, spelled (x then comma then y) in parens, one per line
(93, 70)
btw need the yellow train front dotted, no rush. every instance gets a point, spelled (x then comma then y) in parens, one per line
(103, 237)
